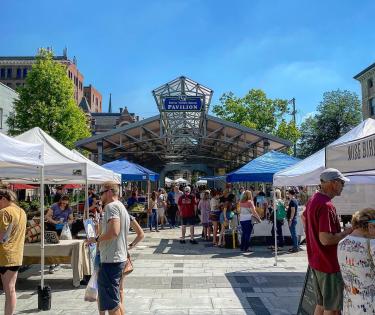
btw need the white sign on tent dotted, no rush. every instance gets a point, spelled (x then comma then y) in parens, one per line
(353, 156)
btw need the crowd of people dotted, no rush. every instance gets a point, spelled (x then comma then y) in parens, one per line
(221, 210)
(342, 261)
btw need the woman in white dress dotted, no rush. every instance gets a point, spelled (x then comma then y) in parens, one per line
(356, 255)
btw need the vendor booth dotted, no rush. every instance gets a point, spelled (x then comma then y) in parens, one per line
(262, 170)
(135, 172)
(352, 155)
(60, 166)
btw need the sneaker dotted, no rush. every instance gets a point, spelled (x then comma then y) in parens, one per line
(293, 250)
(51, 269)
(193, 242)
(182, 241)
(157, 231)
(57, 267)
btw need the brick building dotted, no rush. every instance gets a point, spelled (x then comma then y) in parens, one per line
(94, 98)
(367, 79)
(13, 72)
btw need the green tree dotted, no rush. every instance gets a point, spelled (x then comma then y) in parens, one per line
(337, 113)
(256, 111)
(47, 101)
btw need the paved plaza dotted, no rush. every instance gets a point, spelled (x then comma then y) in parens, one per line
(184, 279)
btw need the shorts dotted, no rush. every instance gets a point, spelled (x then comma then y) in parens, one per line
(206, 224)
(3, 270)
(188, 221)
(329, 288)
(215, 215)
(109, 278)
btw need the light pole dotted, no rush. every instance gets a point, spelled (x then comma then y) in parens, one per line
(293, 113)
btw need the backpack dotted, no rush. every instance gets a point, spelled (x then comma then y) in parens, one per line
(280, 211)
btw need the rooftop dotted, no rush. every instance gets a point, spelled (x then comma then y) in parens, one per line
(357, 76)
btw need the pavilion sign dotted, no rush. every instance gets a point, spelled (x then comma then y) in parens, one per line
(182, 103)
(353, 156)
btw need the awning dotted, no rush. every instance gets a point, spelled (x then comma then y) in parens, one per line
(262, 168)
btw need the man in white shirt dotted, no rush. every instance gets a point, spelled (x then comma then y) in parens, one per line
(113, 249)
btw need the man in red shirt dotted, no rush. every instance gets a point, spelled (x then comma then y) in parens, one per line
(323, 232)
(187, 206)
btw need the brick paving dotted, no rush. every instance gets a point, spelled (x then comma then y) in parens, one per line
(177, 279)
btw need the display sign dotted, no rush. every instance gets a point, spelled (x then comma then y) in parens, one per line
(182, 103)
(307, 301)
(353, 156)
(354, 198)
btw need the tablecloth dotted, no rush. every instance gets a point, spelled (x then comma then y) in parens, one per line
(73, 252)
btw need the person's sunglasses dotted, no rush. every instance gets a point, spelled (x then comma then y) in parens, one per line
(340, 181)
(104, 191)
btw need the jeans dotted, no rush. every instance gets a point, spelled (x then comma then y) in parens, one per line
(279, 231)
(153, 219)
(172, 215)
(293, 233)
(247, 227)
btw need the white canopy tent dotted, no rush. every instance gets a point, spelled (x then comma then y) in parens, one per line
(168, 181)
(22, 155)
(97, 174)
(201, 182)
(60, 164)
(180, 181)
(18, 157)
(307, 171)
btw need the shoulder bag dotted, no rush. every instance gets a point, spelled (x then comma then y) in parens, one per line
(128, 267)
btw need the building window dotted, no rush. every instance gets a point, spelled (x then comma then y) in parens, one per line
(1, 118)
(19, 72)
(24, 72)
(371, 104)
(2, 73)
(9, 73)
(370, 83)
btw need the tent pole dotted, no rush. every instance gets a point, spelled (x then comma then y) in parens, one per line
(148, 193)
(42, 227)
(275, 224)
(86, 216)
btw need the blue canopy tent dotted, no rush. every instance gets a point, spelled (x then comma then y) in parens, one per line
(262, 168)
(131, 171)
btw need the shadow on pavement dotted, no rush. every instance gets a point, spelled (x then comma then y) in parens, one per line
(267, 293)
(174, 247)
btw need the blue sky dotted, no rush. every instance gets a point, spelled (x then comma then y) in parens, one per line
(287, 48)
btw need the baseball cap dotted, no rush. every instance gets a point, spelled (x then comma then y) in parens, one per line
(332, 174)
(187, 188)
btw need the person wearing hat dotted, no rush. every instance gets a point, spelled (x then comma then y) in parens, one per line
(323, 233)
(188, 207)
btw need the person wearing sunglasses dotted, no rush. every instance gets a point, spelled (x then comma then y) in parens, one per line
(323, 233)
(113, 247)
(12, 238)
(356, 255)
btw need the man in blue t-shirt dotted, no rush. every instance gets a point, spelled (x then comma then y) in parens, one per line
(291, 216)
(172, 208)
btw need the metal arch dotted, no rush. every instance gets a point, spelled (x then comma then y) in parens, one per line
(190, 125)
(182, 137)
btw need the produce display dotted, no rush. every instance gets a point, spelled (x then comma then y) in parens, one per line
(137, 207)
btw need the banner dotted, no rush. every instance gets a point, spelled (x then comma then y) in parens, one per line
(354, 198)
(353, 156)
(182, 103)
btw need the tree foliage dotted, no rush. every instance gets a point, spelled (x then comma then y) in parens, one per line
(47, 101)
(256, 111)
(338, 112)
